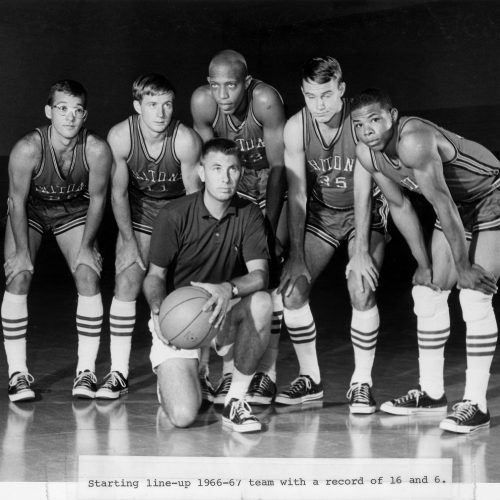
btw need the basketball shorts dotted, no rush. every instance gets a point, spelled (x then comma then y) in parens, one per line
(56, 216)
(336, 225)
(143, 211)
(482, 215)
(253, 186)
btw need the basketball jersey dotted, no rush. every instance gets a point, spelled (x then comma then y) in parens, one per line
(330, 167)
(49, 182)
(160, 177)
(473, 173)
(249, 134)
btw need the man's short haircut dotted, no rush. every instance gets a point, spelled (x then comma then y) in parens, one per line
(221, 145)
(371, 96)
(231, 58)
(151, 84)
(321, 70)
(70, 87)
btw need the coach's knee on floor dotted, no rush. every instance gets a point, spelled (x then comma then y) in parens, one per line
(181, 415)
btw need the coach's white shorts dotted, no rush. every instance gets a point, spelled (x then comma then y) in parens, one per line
(160, 351)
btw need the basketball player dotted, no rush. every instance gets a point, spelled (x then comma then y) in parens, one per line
(154, 161)
(236, 106)
(461, 180)
(58, 177)
(320, 155)
(214, 240)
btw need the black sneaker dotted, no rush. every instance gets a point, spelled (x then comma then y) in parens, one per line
(85, 385)
(361, 399)
(223, 389)
(238, 416)
(416, 401)
(261, 390)
(466, 417)
(113, 386)
(20, 387)
(207, 391)
(301, 390)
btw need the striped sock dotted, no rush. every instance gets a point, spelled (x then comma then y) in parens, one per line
(88, 324)
(302, 330)
(364, 333)
(15, 324)
(121, 327)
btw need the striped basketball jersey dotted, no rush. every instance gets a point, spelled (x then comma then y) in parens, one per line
(160, 177)
(248, 134)
(331, 166)
(473, 172)
(49, 182)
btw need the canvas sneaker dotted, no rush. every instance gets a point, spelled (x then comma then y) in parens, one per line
(85, 385)
(415, 401)
(261, 390)
(238, 416)
(466, 417)
(20, 387)
(301, 390)
(113, 386)
(361, 399)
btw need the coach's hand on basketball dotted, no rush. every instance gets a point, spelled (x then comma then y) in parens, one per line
(477, 278)
(18, 263)
(127, 256)
(364, 269)
(89, 257)
(294, 268)
(219, 302)
(423, 277)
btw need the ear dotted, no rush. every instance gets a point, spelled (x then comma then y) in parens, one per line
(48, 111)
(342, 88)
(248, 81)
(201, 172)
(394, 115)
(137, 107)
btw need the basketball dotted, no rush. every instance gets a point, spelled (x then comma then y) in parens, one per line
(182, 322)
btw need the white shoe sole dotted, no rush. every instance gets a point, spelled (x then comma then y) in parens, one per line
(258, 400)
(105, 394)
(461, 429)
(26, 395)
(253, 427)
(397, 410)
(83, 393)
(283, 400)
(362, 410)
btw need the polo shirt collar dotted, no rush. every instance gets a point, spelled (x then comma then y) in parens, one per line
(232, 209)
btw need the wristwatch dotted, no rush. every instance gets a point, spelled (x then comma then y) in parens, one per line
(234, 290)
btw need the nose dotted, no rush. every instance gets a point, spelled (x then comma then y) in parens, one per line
(160, 112)
(226, 176)
(367, 130)
(320, 104)
(223, 94)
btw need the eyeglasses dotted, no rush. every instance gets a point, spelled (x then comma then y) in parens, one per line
(63, 110)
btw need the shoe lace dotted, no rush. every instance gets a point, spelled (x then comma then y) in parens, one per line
(262, 382)
(299, 384)
(359, 392)
(112, 379)
(21, 380)
(412, 394)
(242, 409)
(85, 378)
(463, 410)
(225, 383)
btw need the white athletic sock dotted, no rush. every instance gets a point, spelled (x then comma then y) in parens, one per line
(302, 330)
(88, 324)
(364, 333)
(121, 327)
(239, 386)
(15, 324)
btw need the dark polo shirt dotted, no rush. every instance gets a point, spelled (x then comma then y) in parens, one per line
(195, 246)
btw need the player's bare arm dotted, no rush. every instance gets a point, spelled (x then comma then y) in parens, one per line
(418, 150)
(269, 110)
(221, 293)
(23, 160)
(99, 160)
(188, 150)
(119, 142)
(295, 168)
(203, 111)
(155, 290)
(361, 263)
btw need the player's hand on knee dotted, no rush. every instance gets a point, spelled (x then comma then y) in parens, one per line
(129, 255)
(89, 257)
(18, 263)
(477, 278)
(221, 294)
(363, 268)
(293, 269)
(423, 277)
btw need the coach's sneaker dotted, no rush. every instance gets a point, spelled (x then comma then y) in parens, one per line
(238, 416)
(466, 417)
(361, 399)
(301, 390)
(85, 385)
(416, 401)
(261, 390)
(223, 389)
(207, 391)
(113, 386)
(20, 387)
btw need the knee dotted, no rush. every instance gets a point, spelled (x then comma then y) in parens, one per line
(86, 280)
(299, 295)
(261, 309)
(362, 300)
(127, 286)
(476, 305)
(181, 416)
(427, 301)
(20, 285)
